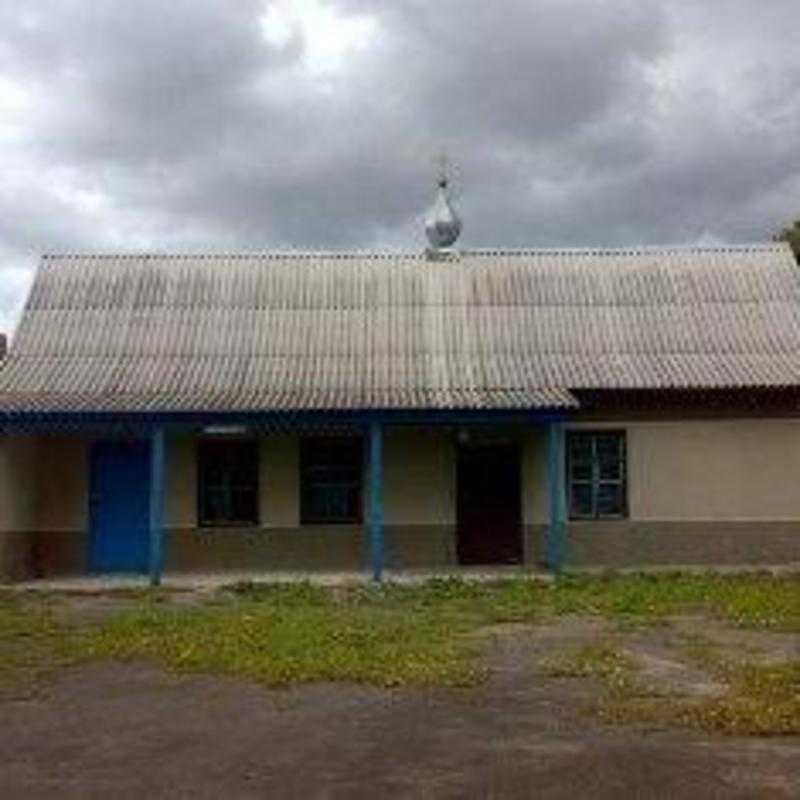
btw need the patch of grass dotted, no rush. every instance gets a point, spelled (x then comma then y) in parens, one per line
(758, 601)
(762, 602)
(288, 636)
(761, 700)
(389, 634)
(394, 634)
(600, 661)
(32, 644)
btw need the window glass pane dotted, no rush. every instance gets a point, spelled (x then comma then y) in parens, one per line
(581, 471)
(228, 482)
(610, 499)
(338, 505)
(354, 503)
(214, 505)
(609, 457)
(580, 448)
(580, 504)
(316, 503)
(243, 504)
(213, 470)
(241, 471)
(331, 480)
(580, 457)
(597, 485)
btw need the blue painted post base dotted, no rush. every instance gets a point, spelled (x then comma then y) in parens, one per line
(156, 505)
(556, 538)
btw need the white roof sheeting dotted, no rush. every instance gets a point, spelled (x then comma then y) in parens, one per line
(480, 329)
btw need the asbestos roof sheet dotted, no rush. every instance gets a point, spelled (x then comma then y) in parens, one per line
(475, 330)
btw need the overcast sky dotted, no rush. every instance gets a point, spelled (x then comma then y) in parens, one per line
(252, 124)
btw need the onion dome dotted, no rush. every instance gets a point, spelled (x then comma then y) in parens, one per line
(442, 224)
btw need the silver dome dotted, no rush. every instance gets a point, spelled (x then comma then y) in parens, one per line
(442, 224)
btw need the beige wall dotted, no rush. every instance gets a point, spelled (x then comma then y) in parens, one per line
(741, 475)
(18, 456)
(278, 467)
(62, 484)
(419, 511)
(535, 497)
(685, 470)
(180, 496)
(419, 481)
(713, 470)
(279, 474)
(56, 494)
(419, 478)
(43, 483)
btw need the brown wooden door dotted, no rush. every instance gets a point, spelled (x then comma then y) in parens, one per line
(489, 525)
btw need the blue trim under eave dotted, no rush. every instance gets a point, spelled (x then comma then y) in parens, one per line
(137, 422)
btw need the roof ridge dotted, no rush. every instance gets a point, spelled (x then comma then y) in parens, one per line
(421, 254)
(633, 250)
(232, 254)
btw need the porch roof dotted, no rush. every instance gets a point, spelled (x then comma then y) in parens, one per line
(494, 330)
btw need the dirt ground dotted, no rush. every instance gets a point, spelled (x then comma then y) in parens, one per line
(130, 730)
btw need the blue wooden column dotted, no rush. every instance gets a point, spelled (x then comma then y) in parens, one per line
(556, 538)
(156, 505)
(375, 467)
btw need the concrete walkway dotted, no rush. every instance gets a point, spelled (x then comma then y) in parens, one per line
(212, 581)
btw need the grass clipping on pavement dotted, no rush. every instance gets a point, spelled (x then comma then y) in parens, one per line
(760, 698)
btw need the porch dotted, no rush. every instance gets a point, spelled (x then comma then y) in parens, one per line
(413, 507)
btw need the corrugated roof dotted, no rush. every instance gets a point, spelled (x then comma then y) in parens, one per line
(480, 329)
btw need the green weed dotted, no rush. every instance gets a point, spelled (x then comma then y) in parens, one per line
(32, 645)
(281, 643)
(601, 661)
(388, 634)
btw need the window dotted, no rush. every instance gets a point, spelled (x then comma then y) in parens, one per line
(596, 474)
(227, 482)
(331, 470)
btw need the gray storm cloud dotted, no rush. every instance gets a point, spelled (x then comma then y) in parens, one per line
(205, 125)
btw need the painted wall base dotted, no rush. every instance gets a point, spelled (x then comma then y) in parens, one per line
(25, 555)
(16, 556)
(626, 543)
(324, 548)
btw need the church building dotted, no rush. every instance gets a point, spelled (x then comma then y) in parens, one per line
(300, 412)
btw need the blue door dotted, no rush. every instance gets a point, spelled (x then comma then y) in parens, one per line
(119, 509)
